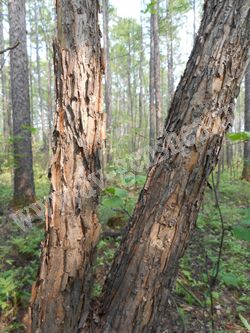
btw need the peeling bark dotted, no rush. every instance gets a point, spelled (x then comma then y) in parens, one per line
(136, 293)
(60, 297)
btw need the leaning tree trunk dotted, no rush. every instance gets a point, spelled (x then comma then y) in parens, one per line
(24, 190)
(137, 290)
(60, 296)
(246, 169)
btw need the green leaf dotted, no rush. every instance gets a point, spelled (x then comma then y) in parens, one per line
(230, 279)
(239, 136)
(242, 233)
(245, 322)
(110, 190)
(116, 191)
(120, 192)
(129, 180)
(140, 180)
(33, 130)
(150, 8)
(114, 202)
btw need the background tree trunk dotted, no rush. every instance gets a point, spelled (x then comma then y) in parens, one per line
(49, 97)
(5, 105)
(39, 83)
(170, 56)
(157, 72)
(137, 290)
(61, 294)
(194, 18)
(141, 76)
(246, 169)
(108, 77)
(152, 117)
(24, 190)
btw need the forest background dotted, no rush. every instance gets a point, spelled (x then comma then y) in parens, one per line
(222, 235)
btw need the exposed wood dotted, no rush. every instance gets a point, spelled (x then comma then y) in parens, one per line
(137, 290)
(60, 298)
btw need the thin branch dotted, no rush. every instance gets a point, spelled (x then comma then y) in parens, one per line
(212, 279)
(210, 284)
(177, 309)
(195, 298)
(122, 210)
(10, 48)
(223, 232)
(113, 234)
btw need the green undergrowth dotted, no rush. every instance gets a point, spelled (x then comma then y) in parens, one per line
(230, 295)
(19, 253)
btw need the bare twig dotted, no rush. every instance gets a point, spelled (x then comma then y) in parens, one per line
(113, 234)
(122, 210)
(177, 309)
(196, 299)
(212, 279)
(209, 279)
(223, 232)
(10, 48)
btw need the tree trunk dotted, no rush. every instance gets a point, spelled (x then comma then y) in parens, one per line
(39, 83)
(170, 55)
(194, 18)
(246, 168)
(157, 73)
(60, 298)
(130, 94)
(33, 119)
(5, 105)
(49, 97)
(152, 118)
(136, 293)
(141, 76)
(108, 80)
(24, 190)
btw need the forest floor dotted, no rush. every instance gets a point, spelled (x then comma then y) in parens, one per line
(191, 300)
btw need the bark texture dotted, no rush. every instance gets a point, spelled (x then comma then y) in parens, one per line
(24, 190)
(60, 297)
(246, 168)
(137, 290)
